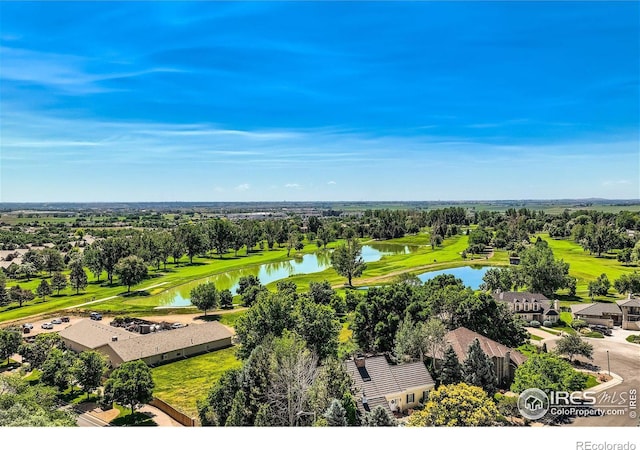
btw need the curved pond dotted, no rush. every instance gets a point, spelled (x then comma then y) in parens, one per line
(471, 276)
(270, 272)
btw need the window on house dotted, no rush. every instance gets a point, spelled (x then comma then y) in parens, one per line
(425, 396)
(410, 398)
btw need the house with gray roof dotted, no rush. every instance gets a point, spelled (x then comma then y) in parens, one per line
(395, 387)
(158, 347)
(598, 313)
(630, 309)
(530, 306)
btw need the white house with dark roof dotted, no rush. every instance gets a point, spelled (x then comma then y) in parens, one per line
(530, 306)
(396, 388)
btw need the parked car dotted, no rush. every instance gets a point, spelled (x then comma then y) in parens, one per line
(47, 326)
(56, 321)
(64, 319)
(28, 325)
(602, 329)
(95, 316)
(177, 325)
(26, 330)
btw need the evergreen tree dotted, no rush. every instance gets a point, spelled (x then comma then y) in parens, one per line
(59, 281)
(478, 368)
(43, 289)
(226, 299)
(451, 372)
(237, 415)
(336, 414)
(379, 417)
(263, 416)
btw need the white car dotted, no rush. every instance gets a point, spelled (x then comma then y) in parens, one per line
(56, 321)
(47, 326)
(28, 325)
(177, 325)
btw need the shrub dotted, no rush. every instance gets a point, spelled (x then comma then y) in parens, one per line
(534, 323)
(579, 323)
(547, 323)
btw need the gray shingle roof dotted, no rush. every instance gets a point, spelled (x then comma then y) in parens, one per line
(629, 302)
(93, 334)
(387, 379)
(597, 309)
(461, 338)
(511, 297)
(143, 346)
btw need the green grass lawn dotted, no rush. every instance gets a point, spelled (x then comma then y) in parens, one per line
(345, 333)
(182, 383)
(125, 419)
(566, 317)
(586, 267)
(139, 301)
(528, 349)
(534, 337)
(591, 382)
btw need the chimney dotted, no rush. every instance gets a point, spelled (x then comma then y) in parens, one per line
(629, 296)
(555, 305)
(359, 360)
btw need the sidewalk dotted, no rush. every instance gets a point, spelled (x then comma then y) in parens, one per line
(614, 381)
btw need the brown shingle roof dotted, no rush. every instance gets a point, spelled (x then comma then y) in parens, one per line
(93, 334)
(143, 346)
(461, 338)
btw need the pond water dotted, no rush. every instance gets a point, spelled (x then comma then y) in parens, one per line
(270, 272)
(471, 276)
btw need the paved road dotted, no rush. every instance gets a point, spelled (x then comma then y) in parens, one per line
(87, 420)
(624, 360)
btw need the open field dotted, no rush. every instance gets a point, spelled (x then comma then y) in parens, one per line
(586, 267)
(182, 383)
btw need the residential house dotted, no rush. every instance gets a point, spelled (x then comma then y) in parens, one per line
(530, 306)
(630, 308)
(153, 348)
(598, 313)
(505, 359)
(396, 388)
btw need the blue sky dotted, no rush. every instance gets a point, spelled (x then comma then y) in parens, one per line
(214, 101)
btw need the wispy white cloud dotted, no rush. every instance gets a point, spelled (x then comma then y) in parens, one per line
(331, 182)
(243, 187)
(292, 185)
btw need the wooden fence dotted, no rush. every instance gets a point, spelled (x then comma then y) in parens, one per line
(176, 415)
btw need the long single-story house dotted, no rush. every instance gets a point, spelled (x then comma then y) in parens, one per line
(598, 313)
(530, 306)
(396, 388)
(154, 348)
(505, 359)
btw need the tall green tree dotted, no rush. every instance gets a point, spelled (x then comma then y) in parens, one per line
(547, 372)
(59, 281)
(130, 384)
(113, 249)
(9, 343)
(226, 299)
(36, 353)
(92, 259)
(52, 260)
(43, 290)
(336, 414)
(540, 271)
(205, 296)
(4, 296)
(379, 417)
(451, 370)
(478, 369)
(131, 270)
(347, 260)
(249, 287)
(57, 369)
(77, 277)
(238, 414)
(572, 345)
(89, 370)
(193, 239)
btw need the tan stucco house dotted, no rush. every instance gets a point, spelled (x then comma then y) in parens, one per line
(154, 348)
(630, 309)
(396, 388)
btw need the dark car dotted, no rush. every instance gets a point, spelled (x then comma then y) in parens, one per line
(602, 329)
(95, 316)
(64, 319)
(26, 330)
